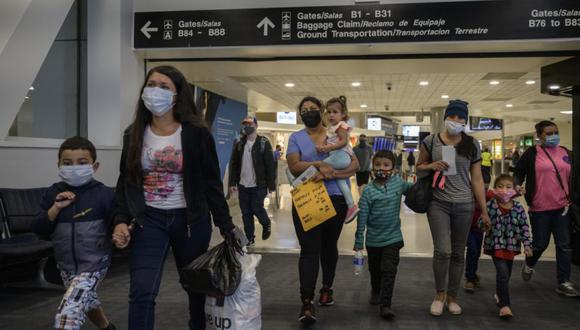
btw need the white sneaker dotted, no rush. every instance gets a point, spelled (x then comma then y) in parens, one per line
(437, 307)
(453, 308)
(567, 289)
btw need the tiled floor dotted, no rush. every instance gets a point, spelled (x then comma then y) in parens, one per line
(535, 303)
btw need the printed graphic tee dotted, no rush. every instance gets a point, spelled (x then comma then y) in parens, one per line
(162, 162)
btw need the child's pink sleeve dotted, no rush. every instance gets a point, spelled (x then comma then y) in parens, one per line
(344, 126)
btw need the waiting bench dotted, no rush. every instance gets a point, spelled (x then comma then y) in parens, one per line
(18, 245)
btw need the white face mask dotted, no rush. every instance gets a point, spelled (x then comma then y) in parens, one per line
(453, 127)
(76, 175)
(158, 100)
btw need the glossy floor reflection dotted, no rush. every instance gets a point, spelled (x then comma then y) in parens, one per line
(416, 233)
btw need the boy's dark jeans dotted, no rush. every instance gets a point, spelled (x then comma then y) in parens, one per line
(163, 229)
(474, 241)
(503, 269)
(383, 263)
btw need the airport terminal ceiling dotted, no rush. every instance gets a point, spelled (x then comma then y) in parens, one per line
(270, 58)
(506, 87)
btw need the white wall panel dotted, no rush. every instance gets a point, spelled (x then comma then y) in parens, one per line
(24, 167)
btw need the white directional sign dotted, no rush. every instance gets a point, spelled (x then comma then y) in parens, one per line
(146, 29)
(265, 23)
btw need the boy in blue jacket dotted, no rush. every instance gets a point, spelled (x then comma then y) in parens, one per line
(76, 216)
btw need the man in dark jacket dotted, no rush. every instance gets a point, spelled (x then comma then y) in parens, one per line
(363, 152)
(252, 174)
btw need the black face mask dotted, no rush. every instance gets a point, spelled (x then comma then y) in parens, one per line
(248, 130)
(311, 118)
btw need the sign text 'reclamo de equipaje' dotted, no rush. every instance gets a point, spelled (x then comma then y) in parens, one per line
(381, 23)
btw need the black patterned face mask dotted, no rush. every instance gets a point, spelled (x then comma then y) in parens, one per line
(382, 174)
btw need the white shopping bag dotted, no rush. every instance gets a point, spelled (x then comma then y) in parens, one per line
(243, 309)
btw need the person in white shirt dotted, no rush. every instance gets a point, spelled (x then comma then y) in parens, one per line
(252, 174)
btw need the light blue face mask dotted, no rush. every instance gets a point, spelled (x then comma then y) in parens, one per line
(454, 128)
(552, 140)
(76, 175)
(158, 100)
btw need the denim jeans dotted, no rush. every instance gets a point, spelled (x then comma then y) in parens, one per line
(546, 223)
(503, 272)
(150, 244)
(340, 160)
(474, 241)
(252, 204)
(449, 224)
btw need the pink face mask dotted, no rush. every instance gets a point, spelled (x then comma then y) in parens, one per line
(505, 195)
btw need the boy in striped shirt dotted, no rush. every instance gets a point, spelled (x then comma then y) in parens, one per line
(380, 205)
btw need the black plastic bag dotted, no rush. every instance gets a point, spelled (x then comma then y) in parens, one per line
(217, 272)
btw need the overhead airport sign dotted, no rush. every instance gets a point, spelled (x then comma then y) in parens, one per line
(381, 23)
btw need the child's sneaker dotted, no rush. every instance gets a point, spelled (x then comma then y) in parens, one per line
(505, 313)
(351, 214)
(326, 297)
(469, 286)
(527, 272)
(386, 312)
(307, 315)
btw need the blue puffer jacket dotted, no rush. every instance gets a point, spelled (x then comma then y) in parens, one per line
(81, 234)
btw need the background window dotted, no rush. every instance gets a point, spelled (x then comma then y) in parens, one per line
(55, 105)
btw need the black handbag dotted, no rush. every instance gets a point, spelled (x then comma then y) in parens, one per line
(419, 196)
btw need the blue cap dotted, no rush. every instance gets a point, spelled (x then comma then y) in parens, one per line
(457, 107)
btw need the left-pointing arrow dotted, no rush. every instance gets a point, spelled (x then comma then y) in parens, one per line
(146, 29)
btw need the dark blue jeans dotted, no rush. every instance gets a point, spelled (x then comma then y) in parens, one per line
(474, 241)
(252, 203)
(503, 272)
(149, 247)
(544, 224)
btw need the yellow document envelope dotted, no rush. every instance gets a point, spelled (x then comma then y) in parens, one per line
(312, 203)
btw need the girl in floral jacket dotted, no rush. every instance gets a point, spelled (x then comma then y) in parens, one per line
(509, 230)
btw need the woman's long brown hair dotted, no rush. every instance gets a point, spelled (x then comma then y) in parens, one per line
(184, 111)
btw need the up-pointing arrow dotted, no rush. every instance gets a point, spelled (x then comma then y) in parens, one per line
(265, 23)
(146, 29)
